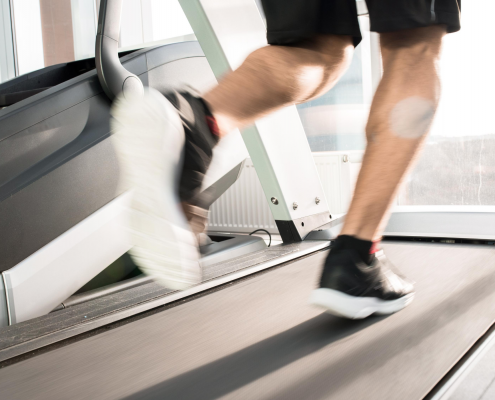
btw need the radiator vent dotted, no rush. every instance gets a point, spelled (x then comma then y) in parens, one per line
(243, 208)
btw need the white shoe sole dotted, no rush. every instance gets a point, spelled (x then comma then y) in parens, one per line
(344, 305)
(149, 139)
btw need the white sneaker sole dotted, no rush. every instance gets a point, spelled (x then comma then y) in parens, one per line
(344, 305)
(149, 139)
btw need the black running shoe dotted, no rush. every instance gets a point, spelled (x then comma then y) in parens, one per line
(201, 134)
(352, 289)
(164, 149)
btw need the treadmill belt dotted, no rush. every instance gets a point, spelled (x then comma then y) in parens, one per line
(259, 339)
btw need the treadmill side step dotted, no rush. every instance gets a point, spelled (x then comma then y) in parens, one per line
(39, 283)
(234, 246)
(40, 332)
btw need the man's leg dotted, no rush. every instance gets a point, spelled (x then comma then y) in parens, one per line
(276, 76)
(270, 78)
(355, 283)
(400, 117)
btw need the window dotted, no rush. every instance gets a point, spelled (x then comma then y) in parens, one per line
(151, 22)
(7, 67)
(336, 120)
(457, 166)
(48, 32)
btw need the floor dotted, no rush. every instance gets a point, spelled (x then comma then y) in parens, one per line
(479, 382)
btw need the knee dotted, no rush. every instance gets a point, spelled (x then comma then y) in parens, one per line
(335, 55)
(332, 57)
(333, 49)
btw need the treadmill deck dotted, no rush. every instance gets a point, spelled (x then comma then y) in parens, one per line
(259, 339)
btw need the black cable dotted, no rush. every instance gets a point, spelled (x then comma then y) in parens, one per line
(264, 230)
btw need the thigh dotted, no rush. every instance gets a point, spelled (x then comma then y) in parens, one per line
(396, 15)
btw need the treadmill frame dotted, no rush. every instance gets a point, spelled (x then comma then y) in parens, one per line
(228, 31)
(76, 249)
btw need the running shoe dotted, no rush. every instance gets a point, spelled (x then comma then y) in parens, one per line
(197, 217)
(164, 146)
(353, 289)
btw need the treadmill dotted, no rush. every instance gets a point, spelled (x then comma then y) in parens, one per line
(247, 331)
(60, 200)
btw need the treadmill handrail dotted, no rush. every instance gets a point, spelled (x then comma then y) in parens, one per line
(113, 77)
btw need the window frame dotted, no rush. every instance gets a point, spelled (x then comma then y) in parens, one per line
(9, 64)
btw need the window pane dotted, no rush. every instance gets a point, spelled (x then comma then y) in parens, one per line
(151, 22)
(336, 120)
(457, 166)
(28, 32)
(7, 70)
(84, 23)
(51, 32)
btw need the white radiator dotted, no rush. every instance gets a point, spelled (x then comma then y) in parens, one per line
(243, 208)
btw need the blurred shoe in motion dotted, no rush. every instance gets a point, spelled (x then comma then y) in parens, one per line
(197, 217)
(164, 146)
(352, 288)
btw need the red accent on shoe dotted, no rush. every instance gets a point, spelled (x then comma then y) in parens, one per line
(212, 124)
(375, 247)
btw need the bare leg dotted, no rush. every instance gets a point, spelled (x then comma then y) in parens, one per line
(275, 76)
(400, 117)
(270, 78)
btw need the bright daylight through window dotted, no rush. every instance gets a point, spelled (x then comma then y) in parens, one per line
(456, 166)
(48, 32)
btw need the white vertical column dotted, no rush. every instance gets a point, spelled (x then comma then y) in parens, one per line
(364, 23)
(131, 25)
(29, 39)
(147, 20)
(228, 30)
(376, 60)
(7, 66)
(84, 28)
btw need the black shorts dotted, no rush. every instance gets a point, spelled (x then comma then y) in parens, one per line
(290, 21)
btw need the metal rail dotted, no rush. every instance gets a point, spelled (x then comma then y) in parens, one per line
(113, 77)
